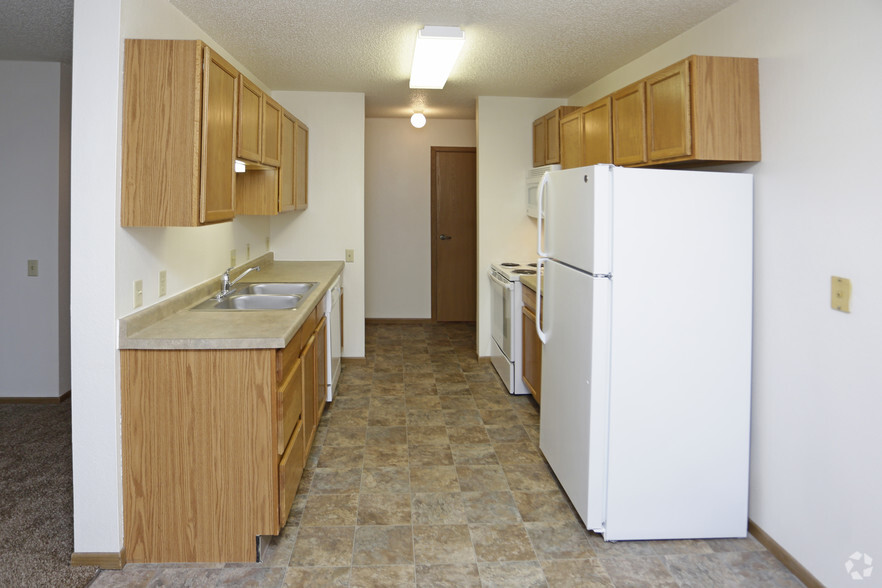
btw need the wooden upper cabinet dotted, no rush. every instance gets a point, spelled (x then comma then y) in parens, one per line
(272, 127)
(287, 164)
(179, 134)
(669, 113)
(725, 108)
(586, 135)
(597, 146)
(629, 124)
(250, 120)
(546, 136)
(539, 130)
(552, 137)
(301, 166)
(571, 140)
(704, 109)
(218, 140)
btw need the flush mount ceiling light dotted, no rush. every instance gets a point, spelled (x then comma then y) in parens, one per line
(435, 53)
(418, 120)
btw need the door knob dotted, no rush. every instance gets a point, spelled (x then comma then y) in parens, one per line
(445, 237)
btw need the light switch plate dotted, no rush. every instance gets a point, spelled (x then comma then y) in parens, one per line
(350, 255)
(840, 293)
(247, 251)
(33, 268)
(162, 283)
(267, 244)
(232, 258)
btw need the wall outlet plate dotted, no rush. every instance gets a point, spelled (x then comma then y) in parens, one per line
(350, 255)
(162, 283)
(840, 294)
(232, 258)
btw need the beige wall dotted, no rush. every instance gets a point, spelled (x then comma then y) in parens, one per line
(505, 154)
(816, 436)
(397, 215)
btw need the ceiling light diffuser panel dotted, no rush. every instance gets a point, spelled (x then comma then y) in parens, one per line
(434, 56)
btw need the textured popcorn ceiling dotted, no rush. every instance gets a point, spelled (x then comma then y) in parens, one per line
(36, 30)
(532, 48)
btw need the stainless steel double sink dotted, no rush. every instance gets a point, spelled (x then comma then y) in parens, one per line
(262, 296)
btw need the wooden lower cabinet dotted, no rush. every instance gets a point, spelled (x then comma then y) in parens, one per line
(214, 443)
(531, 346)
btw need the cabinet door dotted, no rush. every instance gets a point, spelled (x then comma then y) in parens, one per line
(669, 113)
(552, 137)
(290, 405)
(250, 120)
(571, 140)
(287, 164)
(596, 133)
(531, 351)
(309, 391)
(216, 195)
(539, 141)
(301, 166)
(290, 471)
(272, 121)
(629, 125)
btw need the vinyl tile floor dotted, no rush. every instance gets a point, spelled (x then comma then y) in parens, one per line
(426, 472)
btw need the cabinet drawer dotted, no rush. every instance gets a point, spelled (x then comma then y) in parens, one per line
(290, 404)
(290, 472)
(288, 356)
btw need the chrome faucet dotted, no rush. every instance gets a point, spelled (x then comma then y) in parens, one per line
(227, 285)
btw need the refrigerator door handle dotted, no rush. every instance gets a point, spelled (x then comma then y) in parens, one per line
(543, 336)
(540, 215)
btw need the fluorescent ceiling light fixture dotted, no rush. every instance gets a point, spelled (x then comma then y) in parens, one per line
(434, 56)
(418, 120)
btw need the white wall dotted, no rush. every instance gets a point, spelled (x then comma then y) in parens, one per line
(35, 194)
(397, 216)
(334, 220)
(816, 434)
(505, 154)
(106, 259)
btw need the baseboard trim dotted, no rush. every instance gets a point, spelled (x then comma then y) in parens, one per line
(781, 554)
(397, 321)
(35, 399)
(105, 561)
(353, 360)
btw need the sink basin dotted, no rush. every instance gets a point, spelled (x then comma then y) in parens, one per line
(251, 302)
(279, 288)
(266, 296)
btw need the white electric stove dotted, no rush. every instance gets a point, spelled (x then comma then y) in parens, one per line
(505, 321)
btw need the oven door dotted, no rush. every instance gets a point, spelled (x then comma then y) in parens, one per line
(501, 291)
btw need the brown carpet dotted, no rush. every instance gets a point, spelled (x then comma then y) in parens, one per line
(36, 498)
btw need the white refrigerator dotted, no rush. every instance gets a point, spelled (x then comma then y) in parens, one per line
(646, 366)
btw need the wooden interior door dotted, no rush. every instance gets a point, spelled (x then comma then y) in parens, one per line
(454, 234)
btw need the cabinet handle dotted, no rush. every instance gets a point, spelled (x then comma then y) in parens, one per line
(445, 237)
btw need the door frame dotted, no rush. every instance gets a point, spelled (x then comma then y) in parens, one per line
(434, 222)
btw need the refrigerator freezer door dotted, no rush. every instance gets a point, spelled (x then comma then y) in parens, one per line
(575, 386)
(578, 218)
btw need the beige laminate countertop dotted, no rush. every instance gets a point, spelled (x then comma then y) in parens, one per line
(529, 282)
(171, 325)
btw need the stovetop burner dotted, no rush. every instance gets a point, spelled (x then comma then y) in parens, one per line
(524, 272)
(509, 264)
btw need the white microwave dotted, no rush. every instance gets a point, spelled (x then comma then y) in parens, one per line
(534, 176)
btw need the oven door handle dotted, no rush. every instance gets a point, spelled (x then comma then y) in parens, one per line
(504, 283)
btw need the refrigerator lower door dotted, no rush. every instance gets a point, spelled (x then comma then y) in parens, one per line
(575, 386)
